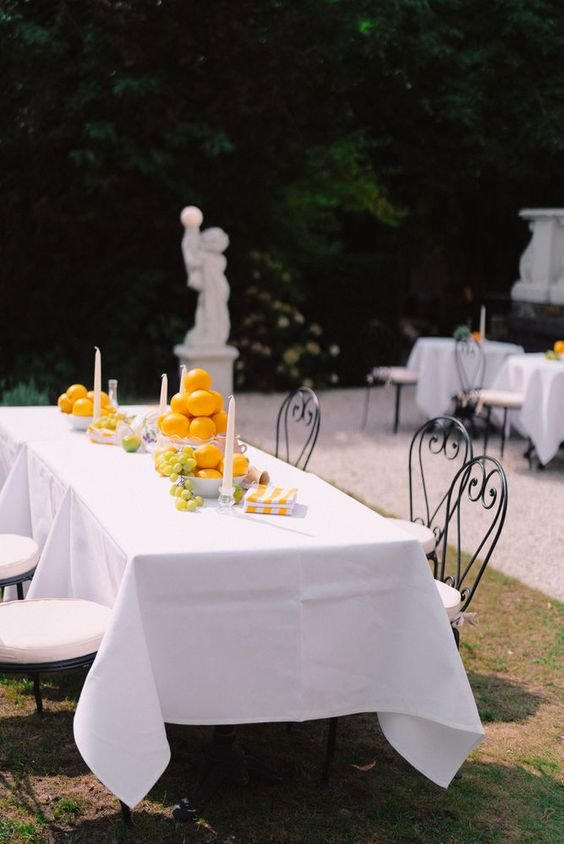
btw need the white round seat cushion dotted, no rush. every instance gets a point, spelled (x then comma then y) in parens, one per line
(402, 375)
(423, 534)
(450, 598)
(502, 398)
(50, 629)
(18, 555)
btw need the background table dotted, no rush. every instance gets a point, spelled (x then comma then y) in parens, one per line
(241, 618)
(434, 360)
(541, 418)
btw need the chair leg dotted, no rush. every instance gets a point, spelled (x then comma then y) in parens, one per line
(37, 693)
(397, 411)
(330, 752)
(126, 814)
(502, 449)
(366, 403)
(487, 431)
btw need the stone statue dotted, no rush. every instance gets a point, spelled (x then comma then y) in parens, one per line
(205, 266)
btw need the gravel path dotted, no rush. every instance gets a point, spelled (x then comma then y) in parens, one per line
(372, 464)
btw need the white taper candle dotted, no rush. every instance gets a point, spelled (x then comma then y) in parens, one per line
(182, 388)
(483, 322)
(163, 401)
(227, 484)
(97, 383)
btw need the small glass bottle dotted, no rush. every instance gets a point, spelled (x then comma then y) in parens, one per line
(112, 392)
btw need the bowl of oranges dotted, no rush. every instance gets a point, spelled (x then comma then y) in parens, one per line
(196, 412)
(78, 403)
(203, 464)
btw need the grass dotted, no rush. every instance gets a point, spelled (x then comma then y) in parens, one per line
(510, 790)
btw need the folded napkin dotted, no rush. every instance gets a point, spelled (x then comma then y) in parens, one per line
(270, 499)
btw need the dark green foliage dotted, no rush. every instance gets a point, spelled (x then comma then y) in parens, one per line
(332, 134)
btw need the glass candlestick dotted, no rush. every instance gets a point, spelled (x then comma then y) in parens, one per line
(112, 392)
(226, 500)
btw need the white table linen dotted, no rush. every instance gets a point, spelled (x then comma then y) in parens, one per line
(541, 417)
(240, 618)
(434, 361)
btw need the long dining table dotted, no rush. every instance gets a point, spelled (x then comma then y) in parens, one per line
(232, 618)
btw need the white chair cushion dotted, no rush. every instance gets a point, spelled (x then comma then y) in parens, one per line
(18, 555)
(502, 398)
(402, 375)
(423, 534)
(450, 598)
(50, 629)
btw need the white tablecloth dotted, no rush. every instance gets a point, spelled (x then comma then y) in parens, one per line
(434, 361)
(240, 618)
(542, 415)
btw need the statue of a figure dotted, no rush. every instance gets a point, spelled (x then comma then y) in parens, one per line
(205, 265)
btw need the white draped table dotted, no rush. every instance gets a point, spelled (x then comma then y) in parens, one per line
(434, 360)
(541, 418)
(239, 618)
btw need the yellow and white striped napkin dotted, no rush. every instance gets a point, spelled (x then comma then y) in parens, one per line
(270, 499)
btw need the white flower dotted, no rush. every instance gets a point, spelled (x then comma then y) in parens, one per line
(299, 318)
(283, 322)
(307, 382)
(313, 348)
(291, 356)
(315, 329)
(334, 350)
(334, 378)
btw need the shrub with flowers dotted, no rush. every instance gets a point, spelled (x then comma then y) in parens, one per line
(279, 347)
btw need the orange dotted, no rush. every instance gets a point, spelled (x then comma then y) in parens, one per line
(175, 424)
(218, 399)
(220, 421)
(208, 473)
(76, 391)
(202, 427)
(83, 407)
(178, 403)
(65, 404)
(208, 456)
(559, 347)
(240, 465)
(197, 379)
(105, 397)
(201, 403)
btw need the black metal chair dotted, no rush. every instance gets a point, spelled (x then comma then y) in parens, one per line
(471, 368)
(51, 634)
(297, 427)
(19, 556)
(437, 450)
(480, 487)
(379, 352)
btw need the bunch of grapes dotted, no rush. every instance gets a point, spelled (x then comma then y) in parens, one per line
(111, 420)
(178, 466)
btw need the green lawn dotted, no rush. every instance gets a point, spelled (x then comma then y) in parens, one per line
(510, 790)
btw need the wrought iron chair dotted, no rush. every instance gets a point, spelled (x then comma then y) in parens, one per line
(19, 556)
(505, 400)
(438, 449)
(471, 368)
(480, 483)
(380, 349)
(40, 635)
(297, 427)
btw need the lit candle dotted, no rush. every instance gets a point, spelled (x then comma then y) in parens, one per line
(182, 388)
(483, 322)
(227, 485)
(97, 384)
(164, 394)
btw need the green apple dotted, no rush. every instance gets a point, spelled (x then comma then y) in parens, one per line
(237, 493)
(131, 442)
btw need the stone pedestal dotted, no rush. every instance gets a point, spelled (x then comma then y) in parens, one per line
(217, 360)
(541, 267)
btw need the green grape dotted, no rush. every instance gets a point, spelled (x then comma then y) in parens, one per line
(172, 490)
(173, 476)
(191, 505)
(177, 467)
(238, 494)
(185, 494)
(188, 483)
(181, 504)
(167, 470)
(199, 500)
(190, 464)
